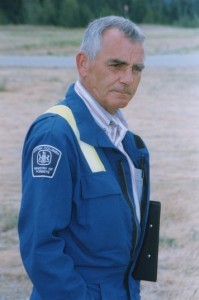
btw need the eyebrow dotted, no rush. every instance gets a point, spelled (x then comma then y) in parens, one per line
(117, 61)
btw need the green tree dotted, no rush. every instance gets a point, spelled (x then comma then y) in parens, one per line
(185, 12)
(85, 12)
(76, 13)
(48, 15)
(68, 13)
(138, 10)
(12, 11)
(33, 12)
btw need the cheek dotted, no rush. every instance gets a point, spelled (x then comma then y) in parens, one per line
(104, 84)
(138, 80)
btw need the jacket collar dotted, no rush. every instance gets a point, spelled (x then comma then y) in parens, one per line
(90, 132)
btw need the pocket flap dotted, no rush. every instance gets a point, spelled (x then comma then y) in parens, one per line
(98, 185)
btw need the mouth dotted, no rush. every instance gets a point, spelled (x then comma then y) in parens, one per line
(123, 93)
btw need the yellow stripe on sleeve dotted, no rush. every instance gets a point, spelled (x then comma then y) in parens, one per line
(89, 151)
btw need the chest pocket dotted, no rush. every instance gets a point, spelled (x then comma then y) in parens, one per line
(88, 151)
(103, 214)
(99, 185)
(101, 195)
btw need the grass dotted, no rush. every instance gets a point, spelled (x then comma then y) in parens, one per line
(45, 40)
(166, 241)
(3, 85)
(8, 221)
(35, 40)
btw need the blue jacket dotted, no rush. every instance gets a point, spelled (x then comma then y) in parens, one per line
(79, 237)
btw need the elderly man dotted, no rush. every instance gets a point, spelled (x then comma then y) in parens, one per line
(85, 177)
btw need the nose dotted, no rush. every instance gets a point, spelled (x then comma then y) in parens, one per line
(127, 77)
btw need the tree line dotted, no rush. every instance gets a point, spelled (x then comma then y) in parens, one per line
(77, 13)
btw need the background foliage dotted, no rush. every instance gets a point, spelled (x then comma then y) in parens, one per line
(77, 13)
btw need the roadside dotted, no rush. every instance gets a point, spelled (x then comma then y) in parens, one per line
(49, 61)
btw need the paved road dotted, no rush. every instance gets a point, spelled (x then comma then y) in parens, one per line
(175, 60)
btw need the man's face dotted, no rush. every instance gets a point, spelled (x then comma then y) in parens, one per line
(113, 76)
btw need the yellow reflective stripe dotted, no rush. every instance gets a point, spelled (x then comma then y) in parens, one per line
(89, 151)
(92, 157)
(66, 113)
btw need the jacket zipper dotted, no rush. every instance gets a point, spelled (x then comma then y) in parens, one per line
(129, 201)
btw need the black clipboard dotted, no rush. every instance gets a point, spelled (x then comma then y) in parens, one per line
(146, 266)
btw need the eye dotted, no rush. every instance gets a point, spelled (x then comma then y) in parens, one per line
(137, 68)
(117, 65)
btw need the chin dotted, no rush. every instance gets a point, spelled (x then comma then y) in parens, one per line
(123, 102)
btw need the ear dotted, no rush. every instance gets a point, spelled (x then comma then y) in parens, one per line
(82, 62)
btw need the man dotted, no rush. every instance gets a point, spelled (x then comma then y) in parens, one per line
(86, 177)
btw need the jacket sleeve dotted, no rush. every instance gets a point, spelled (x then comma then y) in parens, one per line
(47, 189)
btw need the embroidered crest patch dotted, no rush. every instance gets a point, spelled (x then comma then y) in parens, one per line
(45, 159)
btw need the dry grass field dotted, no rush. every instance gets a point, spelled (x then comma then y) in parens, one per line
(165, 112)
(33, 40)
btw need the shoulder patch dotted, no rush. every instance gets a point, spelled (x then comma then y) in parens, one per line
(45, 159)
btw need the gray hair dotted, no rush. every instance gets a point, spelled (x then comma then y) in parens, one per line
(91, 42)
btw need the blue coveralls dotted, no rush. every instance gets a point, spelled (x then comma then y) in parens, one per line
(79, 238)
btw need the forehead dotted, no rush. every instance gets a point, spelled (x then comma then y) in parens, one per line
(116, 44)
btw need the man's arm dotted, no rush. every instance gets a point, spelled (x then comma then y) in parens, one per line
(46, 211)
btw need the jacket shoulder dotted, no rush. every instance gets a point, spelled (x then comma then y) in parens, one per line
(139, 141)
